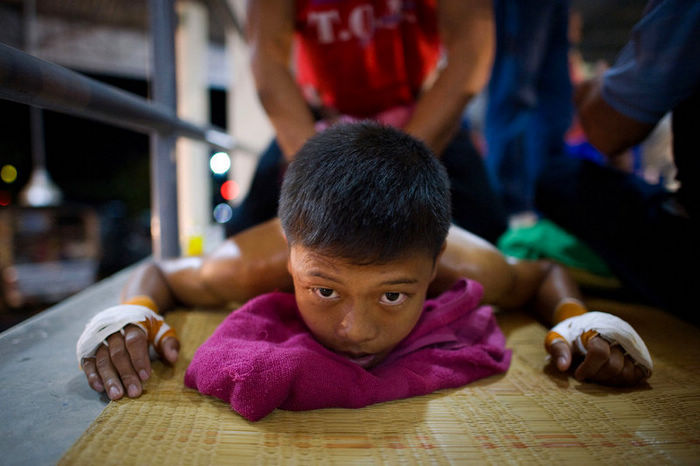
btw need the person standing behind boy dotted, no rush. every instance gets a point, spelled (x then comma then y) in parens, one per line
(646, 234)
(378, 60)
(364, 237)
(529, 105)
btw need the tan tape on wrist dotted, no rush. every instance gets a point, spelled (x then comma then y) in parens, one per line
(567, 308)
(153, 327)
(143, 300)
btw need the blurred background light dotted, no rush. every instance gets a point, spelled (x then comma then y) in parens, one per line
(229, 190)
(8, 174)
(220, 163)
(5, 198)
(223, 212)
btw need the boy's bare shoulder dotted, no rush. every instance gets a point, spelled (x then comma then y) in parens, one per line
(468, 255)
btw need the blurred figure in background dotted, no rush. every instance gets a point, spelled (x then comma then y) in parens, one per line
(646, 233)
(529, 99)
(413, 65)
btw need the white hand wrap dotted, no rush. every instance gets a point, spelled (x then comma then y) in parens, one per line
(613, 329)
(114, 320)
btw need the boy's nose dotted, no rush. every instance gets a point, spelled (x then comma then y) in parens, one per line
(356, 326)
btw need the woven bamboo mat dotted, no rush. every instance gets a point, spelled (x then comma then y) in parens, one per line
(529, 415)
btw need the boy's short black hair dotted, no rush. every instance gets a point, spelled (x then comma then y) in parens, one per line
(365, 193)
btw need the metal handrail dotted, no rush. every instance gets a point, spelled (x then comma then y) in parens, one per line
(30, 80)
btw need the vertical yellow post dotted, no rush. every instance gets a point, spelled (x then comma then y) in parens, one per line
(193, 179)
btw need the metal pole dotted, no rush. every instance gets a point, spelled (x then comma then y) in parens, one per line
(164, 223)
(30, 80)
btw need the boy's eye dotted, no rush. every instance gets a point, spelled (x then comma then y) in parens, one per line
(393, 298)
(325, 293)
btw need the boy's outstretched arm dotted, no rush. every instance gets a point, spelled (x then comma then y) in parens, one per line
(548, 290)
(254, 262)
(244, 266)
(557, 298)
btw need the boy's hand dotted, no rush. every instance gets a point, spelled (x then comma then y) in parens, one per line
(113, 350)
(123, 366)
(602, 364)
(612, 351)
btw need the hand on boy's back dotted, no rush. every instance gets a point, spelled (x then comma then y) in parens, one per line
(603, 363)
(123, 367)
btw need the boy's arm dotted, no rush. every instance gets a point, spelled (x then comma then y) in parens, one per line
(545, 287)
(246, 265)
(555, 297)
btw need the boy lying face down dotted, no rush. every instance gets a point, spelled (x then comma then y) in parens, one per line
(363, 237)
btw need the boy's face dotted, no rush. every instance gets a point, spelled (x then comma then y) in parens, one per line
(361, 311)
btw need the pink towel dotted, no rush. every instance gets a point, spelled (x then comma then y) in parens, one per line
(263, 357)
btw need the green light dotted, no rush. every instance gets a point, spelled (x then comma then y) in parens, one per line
(8, 173)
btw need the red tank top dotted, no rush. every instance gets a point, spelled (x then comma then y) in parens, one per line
(364, 56)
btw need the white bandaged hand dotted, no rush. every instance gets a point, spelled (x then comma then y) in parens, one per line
(580, 329)
(114, 320)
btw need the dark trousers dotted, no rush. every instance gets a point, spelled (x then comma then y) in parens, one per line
(260, 203)
(637, 228)
(474, 204)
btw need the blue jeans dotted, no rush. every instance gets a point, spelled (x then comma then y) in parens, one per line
(475, 206)
(529, 97)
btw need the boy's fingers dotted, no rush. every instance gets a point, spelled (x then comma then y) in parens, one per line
(610, 370)
(137, 346)
(122, 362)
(93, 377)
(607, 365)
(108, 374)
(598, 352)
(627, 375)
(561, 355)
(170, 349)
(631, 374)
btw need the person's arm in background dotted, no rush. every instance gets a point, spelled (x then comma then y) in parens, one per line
(657, 69)
(467, 32)
(270, 30)
(608, 130)
(541, 285)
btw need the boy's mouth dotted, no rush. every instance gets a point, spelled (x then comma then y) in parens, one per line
(363, 360)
